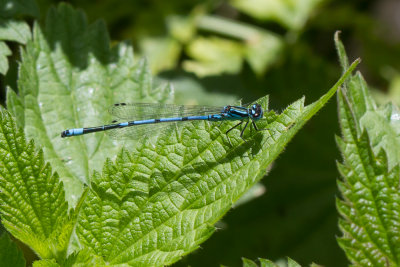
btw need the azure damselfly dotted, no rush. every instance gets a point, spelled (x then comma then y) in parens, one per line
(137, 119)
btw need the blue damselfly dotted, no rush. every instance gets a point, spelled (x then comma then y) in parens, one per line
(136, 119)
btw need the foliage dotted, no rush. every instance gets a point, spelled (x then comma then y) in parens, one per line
(268, 263)
(10, 254)
(370, 201)
(12, 28)
(300, 190)
(50, 97)
(156, 202)
(33, 207)
(214, 44)
(291, 14)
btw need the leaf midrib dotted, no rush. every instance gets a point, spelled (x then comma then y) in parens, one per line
(355, 143)
(255, 159)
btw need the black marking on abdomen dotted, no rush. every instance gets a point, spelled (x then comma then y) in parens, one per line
(120, 104)
(184, 118)
(157, 120)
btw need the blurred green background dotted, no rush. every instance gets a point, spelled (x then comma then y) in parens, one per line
(216, 52)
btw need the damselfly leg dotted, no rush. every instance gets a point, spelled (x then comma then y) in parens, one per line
(226, 133)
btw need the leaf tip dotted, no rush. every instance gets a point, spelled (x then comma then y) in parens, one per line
(337, 36)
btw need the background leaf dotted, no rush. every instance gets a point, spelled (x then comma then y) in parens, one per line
(370, 199)
(10, 8)
(300, 191)
(292, 14)
(46, 263)
(4, 53)
(190, 91)
(162, 52)
(10, 254)
(213, 56)
(33, 202)
(268, 263)
(13, 29)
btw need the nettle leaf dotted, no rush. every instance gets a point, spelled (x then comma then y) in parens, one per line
(159, 202)
(10, 254)
(33, 206)
(4, 53)
(84, 258)
(370, 202)
(12, 29)
(213, 56)
(46, 263)
(291, 13)
(163, 52)
(10, 8)
(153, 204)
(76, 259)
(69, 77)
(268, 263)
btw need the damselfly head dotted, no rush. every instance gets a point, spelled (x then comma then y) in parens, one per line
(256, 112)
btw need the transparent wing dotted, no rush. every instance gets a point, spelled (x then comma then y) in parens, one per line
(140, 131)
(145, 111)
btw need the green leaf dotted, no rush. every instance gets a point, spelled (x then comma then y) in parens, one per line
(162, 52)
(46, 263)
(248, 263)
(76, 259)
(263, 51)
(189, 90)
(14, 30)
(370, 201)
(157, 202)
(182, 28)
(344, 61)
(381, 123)
(256, 191)
(11, 30)
(68, 78)
(214, 56)
(292, 14)
(160, 201)
(33, 206)
(15, 107)
(268, 263)
(10, 254)
(292, 263)
(10, 8)
(84, 258)
(4, 53)
(393, 93)
(259, 47)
